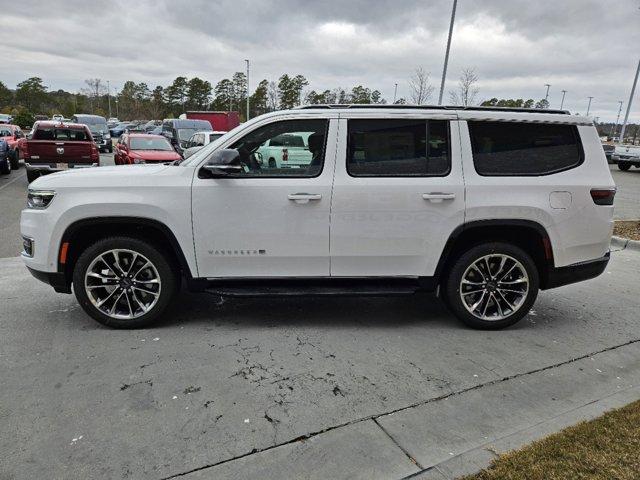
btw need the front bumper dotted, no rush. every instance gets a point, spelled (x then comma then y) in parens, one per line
(578, 272)
(57, 280)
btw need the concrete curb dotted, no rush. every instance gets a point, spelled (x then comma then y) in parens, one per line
(625, 243)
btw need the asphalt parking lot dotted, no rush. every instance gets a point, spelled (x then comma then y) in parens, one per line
(302, 388)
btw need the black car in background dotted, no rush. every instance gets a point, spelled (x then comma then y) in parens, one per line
(99, 130)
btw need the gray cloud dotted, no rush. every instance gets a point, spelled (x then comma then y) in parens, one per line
(587, 47)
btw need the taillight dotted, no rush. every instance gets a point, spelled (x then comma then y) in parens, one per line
(25, 150)
(603, 196)
(95, 155)
(285, 154)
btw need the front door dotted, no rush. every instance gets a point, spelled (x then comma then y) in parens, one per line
(398, 194)
(270, 220)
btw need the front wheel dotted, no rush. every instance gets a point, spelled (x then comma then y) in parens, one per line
(5, 169)
(624, 166)
(124, 282)
(32, 175)
(492, 286)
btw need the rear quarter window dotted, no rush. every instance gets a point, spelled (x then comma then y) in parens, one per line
(524, 149)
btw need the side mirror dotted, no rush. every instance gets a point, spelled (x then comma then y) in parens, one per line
(223, 163)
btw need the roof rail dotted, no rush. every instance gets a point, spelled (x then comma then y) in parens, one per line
(434, 107)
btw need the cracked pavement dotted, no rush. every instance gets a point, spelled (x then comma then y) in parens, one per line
(302, 387)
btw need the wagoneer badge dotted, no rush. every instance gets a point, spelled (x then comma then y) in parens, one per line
(60, 150)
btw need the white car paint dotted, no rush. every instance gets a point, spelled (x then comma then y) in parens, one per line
(358, 227)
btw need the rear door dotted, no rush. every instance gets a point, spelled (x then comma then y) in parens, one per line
(398, 194)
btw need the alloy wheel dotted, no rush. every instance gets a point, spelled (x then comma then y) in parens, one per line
(122, 284)
(494, 287)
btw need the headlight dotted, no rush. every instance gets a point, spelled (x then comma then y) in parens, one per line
(39, 199)
(137, 160)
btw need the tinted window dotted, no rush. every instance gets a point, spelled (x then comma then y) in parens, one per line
(398, 148)
(214, 136)
(509, 148)
(260, 157)
(60, 134)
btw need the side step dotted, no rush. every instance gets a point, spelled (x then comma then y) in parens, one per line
(313, 287)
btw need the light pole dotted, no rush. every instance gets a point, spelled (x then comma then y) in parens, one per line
(564, 92)
(589, 106)
(446, 55)
(626, 116)
(247, 89)
(395, 93)
(546, 97)
(615, 127)
(109, 96)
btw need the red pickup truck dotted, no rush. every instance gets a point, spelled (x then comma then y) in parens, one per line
(56, 146)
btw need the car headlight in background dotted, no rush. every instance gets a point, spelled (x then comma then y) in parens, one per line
(137, 160)
(39, 199)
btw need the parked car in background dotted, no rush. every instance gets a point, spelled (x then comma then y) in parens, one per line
(626, 156)
(112, 121)
(290, 150)
(179, 131)
(608, 148)
(219, 121)
(152, 125)
(56, 146)
(12, 134)
(5, 118)
(57, 118)
(199, 140)
(382, 207)
(156, 131)
(5, 163)
(99, 130)
(118, 129)
(135, 148)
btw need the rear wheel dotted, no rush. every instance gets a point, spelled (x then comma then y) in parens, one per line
(492, 286)
(124, 282)
(272, 163)
(624, 166)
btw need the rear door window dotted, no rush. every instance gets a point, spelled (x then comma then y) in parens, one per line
(398, 148)
(62, 134)
(524, 149)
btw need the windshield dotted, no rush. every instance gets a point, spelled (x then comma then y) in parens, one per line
(139, 143)
(186, 133)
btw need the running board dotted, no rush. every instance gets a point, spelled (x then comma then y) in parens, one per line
(313, 287)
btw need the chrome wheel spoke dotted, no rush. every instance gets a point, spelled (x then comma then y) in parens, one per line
(113, 287)
(502, 291)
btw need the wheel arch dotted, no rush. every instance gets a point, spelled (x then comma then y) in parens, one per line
(529, 235)
(83, 233)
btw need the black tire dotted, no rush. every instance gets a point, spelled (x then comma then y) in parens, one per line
(272, 163)
(32, 175)
(14, 158)
(5, 169)
(624, 166)
(160, 260)
(453, 285)
(110, 149)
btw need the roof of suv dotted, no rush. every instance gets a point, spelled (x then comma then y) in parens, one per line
(433, 107)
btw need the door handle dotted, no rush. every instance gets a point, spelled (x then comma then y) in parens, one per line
(438, 197)
(304, 197)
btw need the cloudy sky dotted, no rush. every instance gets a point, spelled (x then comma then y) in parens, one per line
(587, 47)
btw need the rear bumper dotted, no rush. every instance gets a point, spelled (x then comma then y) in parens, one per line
(56, 279)
(577, 272)
(51, 168)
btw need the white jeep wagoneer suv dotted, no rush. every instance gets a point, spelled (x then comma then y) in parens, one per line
(484, 205)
